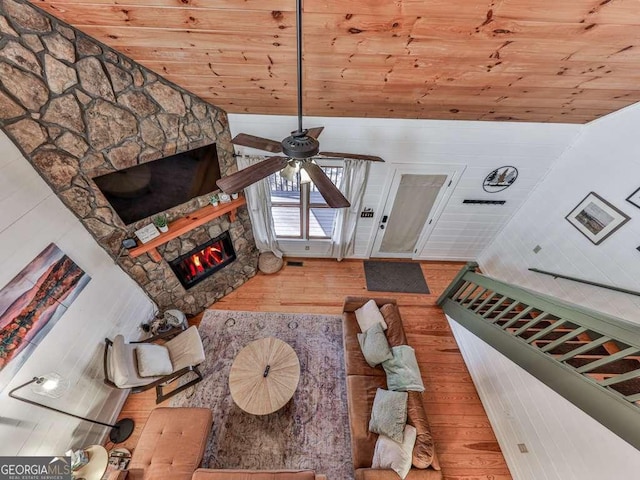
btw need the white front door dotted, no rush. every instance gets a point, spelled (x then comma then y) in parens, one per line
(416, 198)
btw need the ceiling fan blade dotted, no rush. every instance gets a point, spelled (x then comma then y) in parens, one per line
(260, 143)
(243, 178)
(315, 132)
(332, 195)
(356, 156)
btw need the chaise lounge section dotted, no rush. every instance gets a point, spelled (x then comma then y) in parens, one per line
(362, 384)
(171, 447)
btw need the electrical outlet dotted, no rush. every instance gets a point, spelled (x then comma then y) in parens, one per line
(523, 448)
(306, 247)
(537, 248)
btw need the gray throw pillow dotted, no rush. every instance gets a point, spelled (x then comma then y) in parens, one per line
(403, 373)
(374, 345)
(389, 414)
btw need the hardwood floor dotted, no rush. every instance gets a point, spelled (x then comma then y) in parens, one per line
(466, 445)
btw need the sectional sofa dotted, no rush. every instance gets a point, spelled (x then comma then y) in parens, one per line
(362, 383)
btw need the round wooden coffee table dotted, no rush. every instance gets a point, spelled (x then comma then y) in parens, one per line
(264, 376)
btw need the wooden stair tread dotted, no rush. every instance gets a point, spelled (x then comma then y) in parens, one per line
(628, 387)
(615, 367)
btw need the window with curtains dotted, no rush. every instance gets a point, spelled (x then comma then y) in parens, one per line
(298, 209)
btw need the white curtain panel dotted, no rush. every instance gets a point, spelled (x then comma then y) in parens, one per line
(258, 197)
(354, 181)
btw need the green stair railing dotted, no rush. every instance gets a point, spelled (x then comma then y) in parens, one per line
(590, 358)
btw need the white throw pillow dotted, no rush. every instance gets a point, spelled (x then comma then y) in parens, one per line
(368, 315)
(394, 455)
(153, 360)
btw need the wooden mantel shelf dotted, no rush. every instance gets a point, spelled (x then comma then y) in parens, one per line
(186, 224)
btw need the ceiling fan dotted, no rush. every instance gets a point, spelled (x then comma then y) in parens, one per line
(300, 148)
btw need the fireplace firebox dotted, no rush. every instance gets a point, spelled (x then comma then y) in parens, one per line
(204, 260)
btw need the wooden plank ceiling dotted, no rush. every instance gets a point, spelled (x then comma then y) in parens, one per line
(524, 60)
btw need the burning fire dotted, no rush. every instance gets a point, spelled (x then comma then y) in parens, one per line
(201, 261)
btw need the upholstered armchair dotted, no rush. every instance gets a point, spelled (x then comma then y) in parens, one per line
(142, 365)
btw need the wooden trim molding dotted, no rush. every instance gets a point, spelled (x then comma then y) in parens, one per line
(186, 224)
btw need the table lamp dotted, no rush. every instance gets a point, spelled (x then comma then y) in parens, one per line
(53, 385)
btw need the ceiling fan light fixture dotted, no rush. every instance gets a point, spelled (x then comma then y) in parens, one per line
(289, 172)
(304, 176)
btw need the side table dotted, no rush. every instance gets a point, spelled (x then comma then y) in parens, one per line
(98, 461)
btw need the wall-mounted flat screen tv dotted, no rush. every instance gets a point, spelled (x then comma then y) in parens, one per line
(143, 190)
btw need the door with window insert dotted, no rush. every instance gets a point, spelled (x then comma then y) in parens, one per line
(415, 200)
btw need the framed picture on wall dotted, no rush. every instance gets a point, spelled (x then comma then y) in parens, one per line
(596, 218)
(634, 198)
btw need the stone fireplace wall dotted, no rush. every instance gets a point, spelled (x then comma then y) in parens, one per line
(78, 109)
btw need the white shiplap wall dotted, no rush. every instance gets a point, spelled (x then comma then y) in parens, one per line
(31, 217)
(606, 160)
(564, 442)
(462, 231)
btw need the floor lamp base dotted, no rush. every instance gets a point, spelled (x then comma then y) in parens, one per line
(122, 430)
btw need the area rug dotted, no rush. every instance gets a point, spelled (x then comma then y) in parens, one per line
(405, 277)
(311, 431)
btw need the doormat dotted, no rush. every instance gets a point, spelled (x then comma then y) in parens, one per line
(309, 432)
(405, 277)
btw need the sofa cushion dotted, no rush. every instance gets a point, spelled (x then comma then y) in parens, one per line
(354, 361)
(368, 315)
(389, 413)
(387, 474)
(394, 455)
(374, 345)
(403, 373)
(395, 330)
(125, 475)
(361, 390)
(423, 450)
(156, 451)
(208, 474)
(186, 349)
